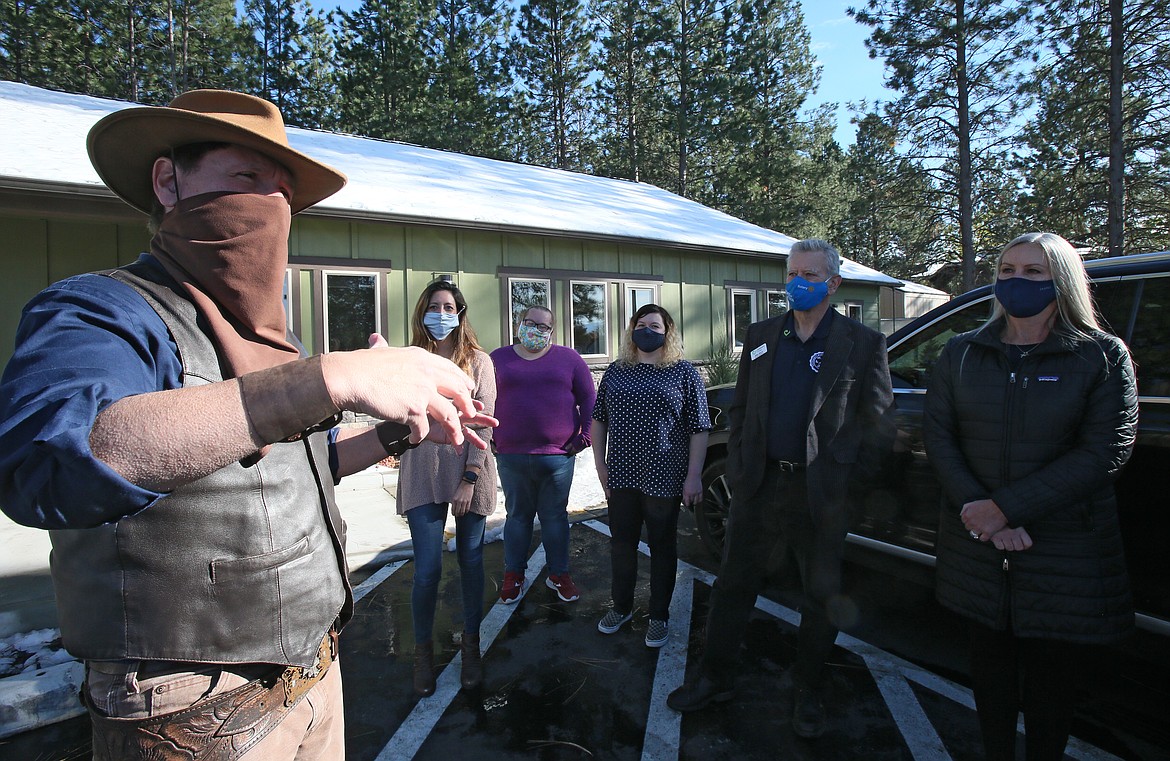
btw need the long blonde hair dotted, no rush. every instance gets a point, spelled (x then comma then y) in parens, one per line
(672, 350)
(1075, 312)
(465, 342)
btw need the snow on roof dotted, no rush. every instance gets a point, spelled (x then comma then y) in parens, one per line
(42, 140)
(912, 287)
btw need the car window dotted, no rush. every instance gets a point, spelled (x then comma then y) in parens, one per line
(1150, 343)
(1114, 300)
(912, 360)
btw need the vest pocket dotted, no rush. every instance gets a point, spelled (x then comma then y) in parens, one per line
(227, 570)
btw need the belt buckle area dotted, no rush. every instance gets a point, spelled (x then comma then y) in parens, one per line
(298, 680)
(788, 467)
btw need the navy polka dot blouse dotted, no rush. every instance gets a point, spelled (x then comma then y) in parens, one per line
(650, 414)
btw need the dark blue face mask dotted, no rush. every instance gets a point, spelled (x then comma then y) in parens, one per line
(1021, 297)
(647, 340)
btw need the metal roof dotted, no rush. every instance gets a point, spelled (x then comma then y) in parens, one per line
(42, 146)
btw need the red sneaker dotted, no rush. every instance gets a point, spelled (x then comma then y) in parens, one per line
(564, 587)
(512, 588)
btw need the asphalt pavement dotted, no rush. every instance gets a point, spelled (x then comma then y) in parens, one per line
(556, 688)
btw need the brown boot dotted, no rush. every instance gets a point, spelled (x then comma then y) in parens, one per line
(424, 669)
(472, 674)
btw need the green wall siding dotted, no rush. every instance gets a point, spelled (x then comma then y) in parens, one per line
(39, 251)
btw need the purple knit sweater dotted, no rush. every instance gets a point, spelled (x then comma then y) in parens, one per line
(544, 405)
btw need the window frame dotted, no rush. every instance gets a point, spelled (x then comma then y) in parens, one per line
(326, 272)
(560, 286)
(570, 337)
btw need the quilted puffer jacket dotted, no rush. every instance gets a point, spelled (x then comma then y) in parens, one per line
(1045, 440)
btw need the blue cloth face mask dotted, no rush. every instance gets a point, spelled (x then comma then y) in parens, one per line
(803, 295)
(439, 324)
(1022, 297)
(647, 340)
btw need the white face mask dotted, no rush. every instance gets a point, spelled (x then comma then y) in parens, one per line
(440, 324)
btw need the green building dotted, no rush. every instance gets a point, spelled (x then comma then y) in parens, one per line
(591, 248)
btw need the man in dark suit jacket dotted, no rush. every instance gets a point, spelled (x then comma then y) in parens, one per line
(812, 414)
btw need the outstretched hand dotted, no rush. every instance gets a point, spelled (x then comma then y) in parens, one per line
(425, 392)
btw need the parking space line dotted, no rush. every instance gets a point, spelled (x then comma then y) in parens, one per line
(376, 578)
(664, 725)
(917, 730)
(415, 729)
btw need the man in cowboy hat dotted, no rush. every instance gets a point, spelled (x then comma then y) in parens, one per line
(159, 420)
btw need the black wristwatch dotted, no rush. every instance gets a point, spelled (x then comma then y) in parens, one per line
(470, 476)
(395, 438)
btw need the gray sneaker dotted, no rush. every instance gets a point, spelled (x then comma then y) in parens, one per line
(613, 621)
(656, 633)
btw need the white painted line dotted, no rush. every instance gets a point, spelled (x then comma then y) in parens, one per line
(603, 528)
(415, 729)
(920, 735)
(376, 578)
(663, 724)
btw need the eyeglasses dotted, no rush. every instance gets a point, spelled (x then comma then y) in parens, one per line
(540, 326)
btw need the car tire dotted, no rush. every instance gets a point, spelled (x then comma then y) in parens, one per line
(711, 512)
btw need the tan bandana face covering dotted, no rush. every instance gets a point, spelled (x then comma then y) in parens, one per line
(229, 251)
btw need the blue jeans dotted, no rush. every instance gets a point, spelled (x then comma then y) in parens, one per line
(536, 484)
(426, 534)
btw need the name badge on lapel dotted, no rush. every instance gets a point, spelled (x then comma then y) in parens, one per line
(759, 351)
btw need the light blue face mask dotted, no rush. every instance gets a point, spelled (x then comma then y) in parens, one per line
(440, 324)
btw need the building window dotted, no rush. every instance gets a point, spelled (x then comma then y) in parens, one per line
(777, 303)
(350, 309)
(527, 292)
(590, 327)
(638, 296)
(743, 313)
(853, 310)
(287, 298)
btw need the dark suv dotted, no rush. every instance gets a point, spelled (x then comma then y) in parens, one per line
(899, 515)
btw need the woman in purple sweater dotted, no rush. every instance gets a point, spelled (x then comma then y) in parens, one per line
(545, 400)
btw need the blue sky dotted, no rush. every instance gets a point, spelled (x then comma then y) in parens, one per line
(848, 74)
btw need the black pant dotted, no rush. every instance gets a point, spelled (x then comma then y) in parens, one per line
(1041, 677)
(776, 520)
(628, 510)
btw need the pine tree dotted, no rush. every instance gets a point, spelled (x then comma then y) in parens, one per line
(465, 104)
(1067, 152)
(774, 165)
(892, 223)
(955, 65)
(552, 67)
(630, 114)
(692, 69)
(380, 64)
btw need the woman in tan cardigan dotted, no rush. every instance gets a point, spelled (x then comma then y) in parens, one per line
(435, 475)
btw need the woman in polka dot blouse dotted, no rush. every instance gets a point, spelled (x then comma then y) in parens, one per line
(649, 440)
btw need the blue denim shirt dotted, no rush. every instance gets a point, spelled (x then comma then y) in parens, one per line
(82, 344)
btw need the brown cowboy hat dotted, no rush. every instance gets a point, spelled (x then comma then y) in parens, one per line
(124, 145)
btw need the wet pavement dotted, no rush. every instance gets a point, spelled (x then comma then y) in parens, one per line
(556, 688)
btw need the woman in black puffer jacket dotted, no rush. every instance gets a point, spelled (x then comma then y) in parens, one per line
(1028, 422)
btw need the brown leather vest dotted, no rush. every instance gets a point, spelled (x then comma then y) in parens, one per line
(246, 565)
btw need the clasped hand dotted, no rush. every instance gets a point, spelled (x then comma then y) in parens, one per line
(987, 523)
